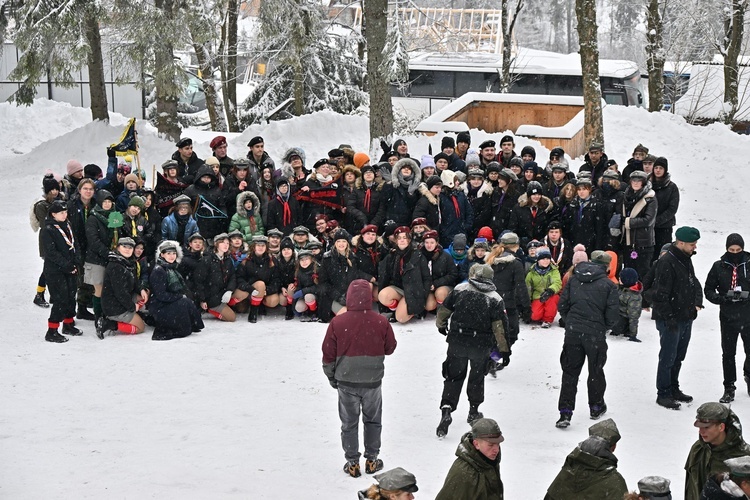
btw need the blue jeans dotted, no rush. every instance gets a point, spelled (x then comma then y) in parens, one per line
(674, 346)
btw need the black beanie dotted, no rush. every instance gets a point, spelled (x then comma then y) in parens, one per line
(528, 150)
(447, 142)
(735, 239)
(49, 183)
(662, 162)
(464, 137)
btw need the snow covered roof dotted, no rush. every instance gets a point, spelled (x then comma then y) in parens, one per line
(705, 94)
(528, 61)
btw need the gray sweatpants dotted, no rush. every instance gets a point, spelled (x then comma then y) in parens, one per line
(370, 401)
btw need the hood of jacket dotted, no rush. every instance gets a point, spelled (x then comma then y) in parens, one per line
(396, 173)
(504, 258)
(425, 191)
(376, 185)
(242, 198)
(544, 203)
(588, 272)
(206, 170)
(359, 296)
(168, 243)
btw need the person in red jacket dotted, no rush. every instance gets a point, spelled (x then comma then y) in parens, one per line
(354, 350)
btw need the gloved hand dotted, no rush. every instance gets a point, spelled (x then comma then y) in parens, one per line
(226, 297)
(546, 295)
(111, 152)
(334, 383)
(526, 317)
(505, 358)
(443, 330)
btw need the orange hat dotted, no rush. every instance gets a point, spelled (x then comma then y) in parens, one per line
(361, 159)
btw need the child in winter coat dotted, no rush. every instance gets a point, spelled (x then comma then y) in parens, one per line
(287, 263)
(630, 305)
(247, 218)
(543, 284)
(306, 286)
(237, 248)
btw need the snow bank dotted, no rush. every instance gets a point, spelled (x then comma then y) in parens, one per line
(243, 411)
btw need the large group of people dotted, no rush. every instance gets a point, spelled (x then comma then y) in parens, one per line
(481, 238)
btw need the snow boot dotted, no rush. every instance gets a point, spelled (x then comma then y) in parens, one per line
(352, 468)
(70, 329)
(596, 411)
(474, 414)
(372, 466)
(289, 312)
(445, 421)
(104, 327)
(680, 396)
(728, 396)
(633, 338)
(40, 301)
(252, 316)
(53, 336)
(84, 313)
(564, 421)
(668, 403)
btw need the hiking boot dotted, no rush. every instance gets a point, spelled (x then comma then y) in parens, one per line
(474, 414)
(70, 329)
(104, 326)
(445, 421)
(668, 403)
(84, 313)
(252, 316)
(546, 324)
(372, 466)
(53, 336)
(352, 468)
(634, 339)
(728, 396)
(564, 421)
(289, 312)
(680, 396)
(40, 301)
(598, 410)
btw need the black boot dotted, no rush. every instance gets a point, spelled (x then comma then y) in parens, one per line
(445, 421)
(728, 396)
(289, 312)
(474, 414)
(84, 313)
(53, 336)
(70, 329)
(252, 316)
(40, 301)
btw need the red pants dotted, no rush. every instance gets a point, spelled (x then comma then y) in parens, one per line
(545, 312)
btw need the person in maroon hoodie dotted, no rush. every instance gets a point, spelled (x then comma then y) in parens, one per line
(354, 351)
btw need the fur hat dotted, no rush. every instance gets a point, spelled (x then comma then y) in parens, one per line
(447, 142)
(74, 166)
(217, 142)
(464, 137)
(628, 276)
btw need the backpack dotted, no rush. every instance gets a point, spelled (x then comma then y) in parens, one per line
(35, 223)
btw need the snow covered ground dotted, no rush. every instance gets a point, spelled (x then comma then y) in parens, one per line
(244, 411)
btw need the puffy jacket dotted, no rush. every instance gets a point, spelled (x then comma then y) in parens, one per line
(590, 302)
(357, 342)
(212, 278)
(472, 475)
(719, 282)
(241, 219)
(537, 283)
(676, 289)
(510, 281)
(120, 284)
(170, 228)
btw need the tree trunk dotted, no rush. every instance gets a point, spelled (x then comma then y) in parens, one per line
(592, 91)
(505, 77)
(213, 103)
(299, 89)
(166, 92)
(655, 56)
(230, 66)
(731, 65)
(95, 62)
(374, 16)
(569, 27)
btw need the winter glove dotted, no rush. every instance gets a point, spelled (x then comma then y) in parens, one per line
(334, 383)
(226, 297)
(546, 295)
(443, 330)
(111, 152)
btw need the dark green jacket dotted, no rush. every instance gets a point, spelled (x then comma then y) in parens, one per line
(588, 477)
(472, 475)
(705, 459)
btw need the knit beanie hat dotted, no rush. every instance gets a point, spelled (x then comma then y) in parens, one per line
(662, 162)
(74, 166)
(447, 142)
(427, 161)
(464, 137)
(49, 183)
(92, 171)
(579, 254)
(472, 158)
(628, 276)
(735, 239)
(361, 159)
(528, 150)
(137, 201)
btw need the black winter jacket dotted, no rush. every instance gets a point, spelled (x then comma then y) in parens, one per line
(587, 230)
(188, 170)
(442, 268)
(335, 274)
(367, 200)
(120, 284)
(668, 196)
(638, 211)
(676, 289)
(99, 237)
(259, 268)
(596, 170)
(502, 203)
(527, 226)
(719, 282)
(427, 207)
(208, 202)
(589, 303)
(61, 253)
(510, 281)
(214, 276)
(409, 271)
(281, 217)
